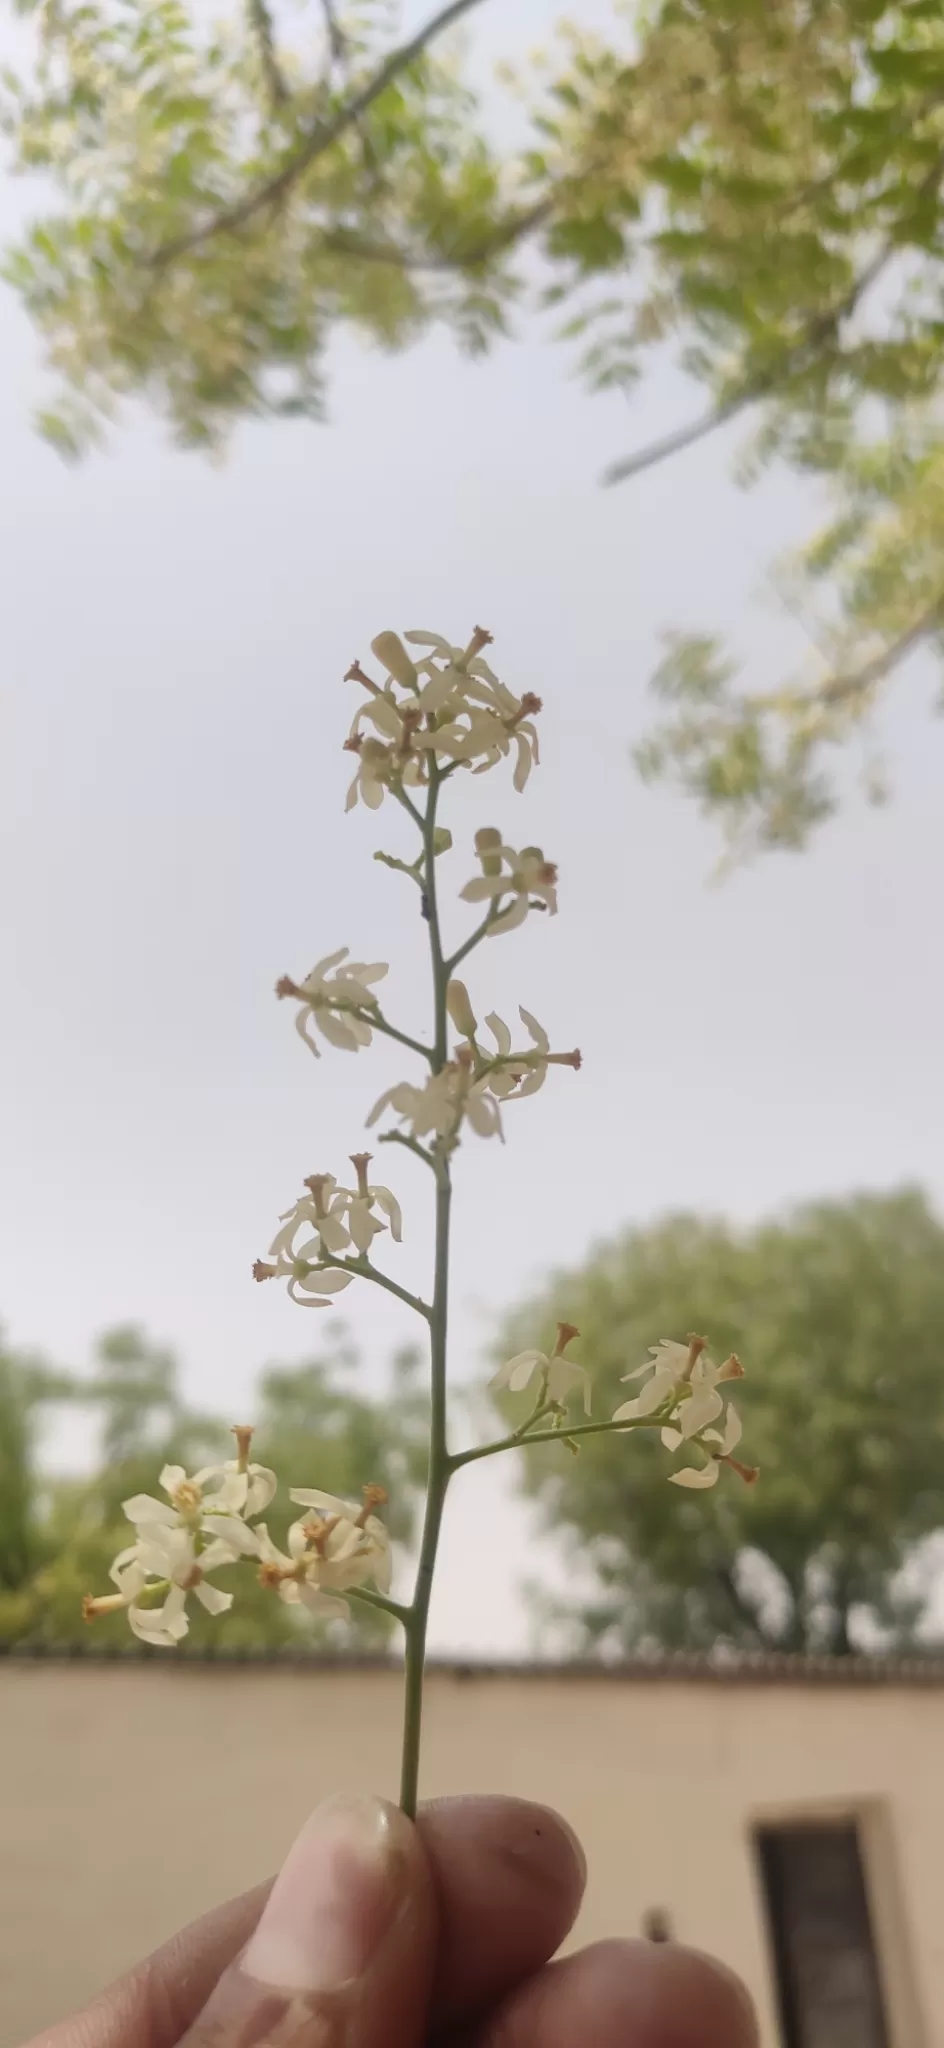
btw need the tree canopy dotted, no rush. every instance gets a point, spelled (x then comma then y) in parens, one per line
(58, 1536)
(836, 1314)
(755, 188)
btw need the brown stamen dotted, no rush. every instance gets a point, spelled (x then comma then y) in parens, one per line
(355, 674)
(566, 1059)
(106, 1603)
(243, 1433)
(317, 1528)
(262, 1271)
(360, 1162)
(285, 986)
(410, 719)
(696, 1345)
(529, 705)
(374, 1497)
(276, 1574)
(565, 1331)
(354, 744)
(481, 637)
(732, 1368)
(317, 1182)
(749, 1473)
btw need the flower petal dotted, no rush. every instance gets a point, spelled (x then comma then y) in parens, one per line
(212, 1599)
(690, 1475)
(142, 1507)
(536, 1030)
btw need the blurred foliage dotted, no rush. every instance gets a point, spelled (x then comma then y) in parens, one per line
(837, 1315)
(58, 1536)
(755, 187)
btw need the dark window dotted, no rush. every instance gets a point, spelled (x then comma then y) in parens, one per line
(828, 1986)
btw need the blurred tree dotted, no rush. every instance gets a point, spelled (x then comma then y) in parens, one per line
(27, 1387)
(311, 1427)
(837, 1314)
(756, 186)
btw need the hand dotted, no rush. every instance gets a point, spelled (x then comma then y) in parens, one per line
(378, 1934)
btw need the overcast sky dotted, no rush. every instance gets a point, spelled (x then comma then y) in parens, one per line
(173, 838)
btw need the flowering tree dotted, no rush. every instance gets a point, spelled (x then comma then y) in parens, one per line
(760, 189)
(838, 1305)
(437, 714)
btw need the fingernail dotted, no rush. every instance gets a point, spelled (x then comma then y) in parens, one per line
(331, 1903)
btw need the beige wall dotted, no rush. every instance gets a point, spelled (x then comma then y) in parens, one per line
(133, 1796)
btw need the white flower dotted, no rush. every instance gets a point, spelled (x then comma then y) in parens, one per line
(372, 777)
(337, 1546)
(439, 1106)
(296, 1574)
(333, 995)
(362, 1223)
(324, 1211)
(523, 1073)
(315, 1288)
(685, 1374)
(213, 1500)
(352, 1544)
(558, 1375)
(719, 1444)
(527, 877)
(165, 1554)
(684, 1379)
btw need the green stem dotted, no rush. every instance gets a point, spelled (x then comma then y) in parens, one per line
(369, 1599)
(365, 1271)
(440, 1465)
(400, 1138)
(480, 931)
(553, 1436)
(380, 1023)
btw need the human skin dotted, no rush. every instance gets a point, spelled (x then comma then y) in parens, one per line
(381, 1934)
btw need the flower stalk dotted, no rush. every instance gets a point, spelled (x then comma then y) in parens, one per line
(440, 712)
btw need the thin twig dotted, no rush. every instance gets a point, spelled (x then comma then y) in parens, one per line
(379, 1023)
(261, 23)
(321, 138)
(400, 1138)
(381, 1600)
(481, 931)
(363, 1270)
(554, 1436)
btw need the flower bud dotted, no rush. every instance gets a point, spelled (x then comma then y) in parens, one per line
(389, 649)
(442, 839)
(488, 846)
(460, 1009)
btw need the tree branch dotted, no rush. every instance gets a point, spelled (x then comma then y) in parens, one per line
(859, 679)
(321, 138)
(819, 332)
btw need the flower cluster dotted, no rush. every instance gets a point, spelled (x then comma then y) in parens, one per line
(680, 1397)
(334, 1549)
(207, 1524)
(335, 1220)
(447, 705)
(439, 708)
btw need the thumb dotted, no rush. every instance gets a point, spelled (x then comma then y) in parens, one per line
(343, 1954)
